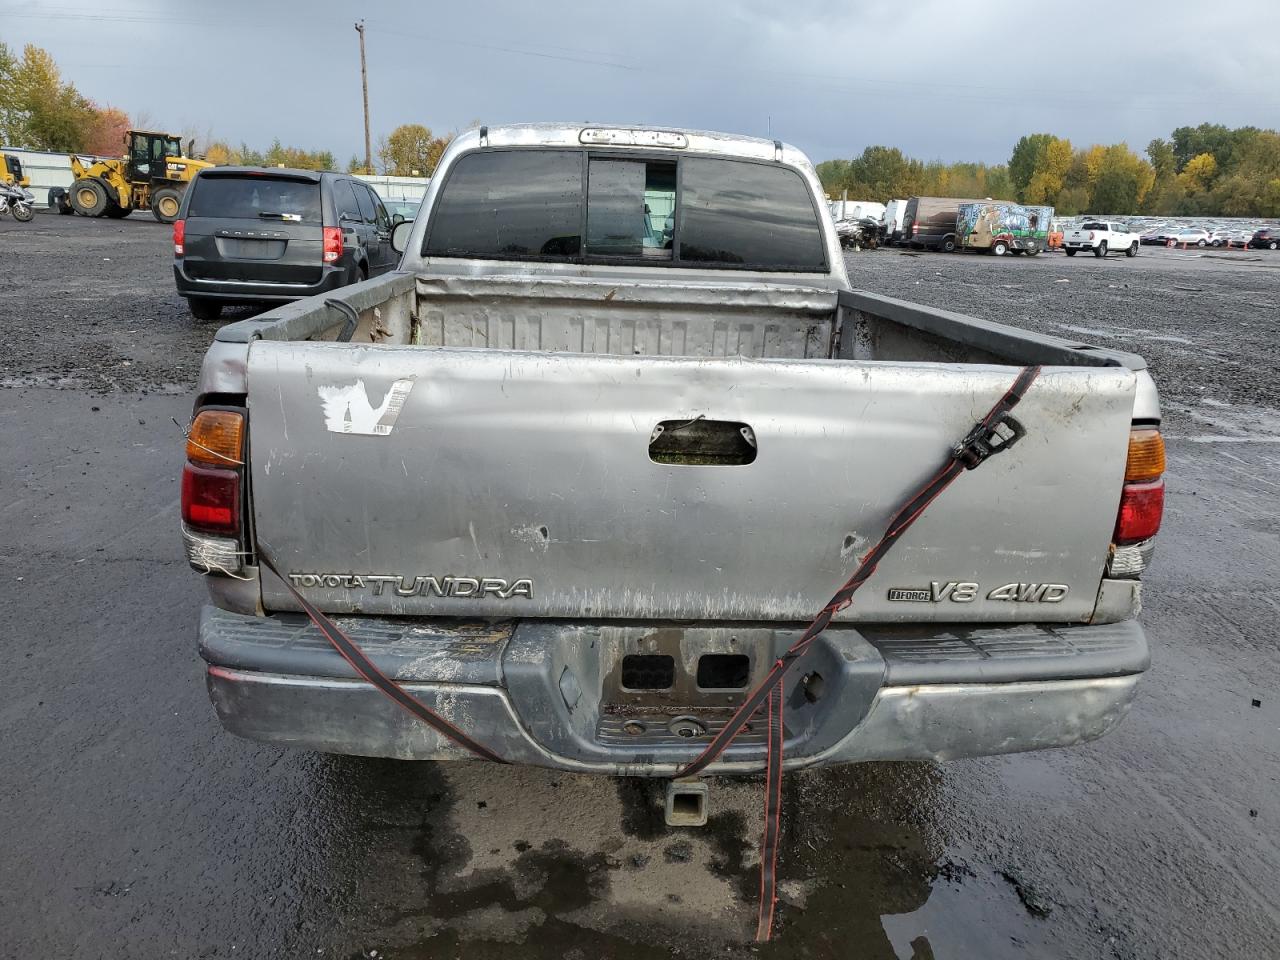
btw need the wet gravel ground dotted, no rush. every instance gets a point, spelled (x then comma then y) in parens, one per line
(1208, 323)
(136, 828)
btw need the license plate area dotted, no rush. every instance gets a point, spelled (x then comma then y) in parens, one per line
(671, 671)
(244, 248)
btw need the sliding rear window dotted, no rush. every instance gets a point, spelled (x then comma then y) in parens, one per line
(747, 215)
(524, 204)
(252, 197)
(676, 210)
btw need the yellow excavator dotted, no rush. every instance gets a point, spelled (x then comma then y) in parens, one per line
(152, 175)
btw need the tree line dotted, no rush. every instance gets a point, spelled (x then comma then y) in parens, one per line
(40, 111)
(1209, 170)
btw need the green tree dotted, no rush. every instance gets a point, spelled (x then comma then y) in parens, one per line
(1206, 170)
(1198, 173)
(12, 117)
(1163, 160)
(411, 150)
(37, 109)
(278, 155)
(1027, 159)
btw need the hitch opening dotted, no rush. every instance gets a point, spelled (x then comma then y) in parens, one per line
(687, 802)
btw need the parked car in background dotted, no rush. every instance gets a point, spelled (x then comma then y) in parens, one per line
(403, 209)
(930, 222)
(1101, 237)
(856, 210)
(248, 234)
(1001, 227)
(863, 233)
(893, 213)
(1188, 236)
(1267, 238)
(1228, 237)
(1154, 236)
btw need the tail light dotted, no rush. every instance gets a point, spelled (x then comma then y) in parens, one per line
(332, 244)
(211, 499)
(1141, 508)
(1090, 234)
(1141, 505)
(179, 237)
(212, 492)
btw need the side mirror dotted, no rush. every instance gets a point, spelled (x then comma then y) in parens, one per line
(397, 219)
(400, 235)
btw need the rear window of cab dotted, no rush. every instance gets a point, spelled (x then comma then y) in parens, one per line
(582, 207)
(255, 197)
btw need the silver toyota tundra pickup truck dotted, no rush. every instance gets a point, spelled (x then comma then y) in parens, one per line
(577, 473)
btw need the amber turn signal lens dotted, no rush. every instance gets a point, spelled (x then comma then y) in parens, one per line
(216, 437)
(1146, 456)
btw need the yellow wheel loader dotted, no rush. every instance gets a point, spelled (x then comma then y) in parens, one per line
(11, 172)
(153, 175)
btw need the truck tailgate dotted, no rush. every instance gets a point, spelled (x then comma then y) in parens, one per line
(407, 480)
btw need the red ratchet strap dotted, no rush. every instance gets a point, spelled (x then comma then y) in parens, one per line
(388, 687)
(994, 433)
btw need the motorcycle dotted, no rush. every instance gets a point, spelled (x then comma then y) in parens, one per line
(19, 202)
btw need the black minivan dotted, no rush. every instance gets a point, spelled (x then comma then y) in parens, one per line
(253, 234)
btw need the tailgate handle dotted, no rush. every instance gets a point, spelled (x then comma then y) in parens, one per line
(702, 442)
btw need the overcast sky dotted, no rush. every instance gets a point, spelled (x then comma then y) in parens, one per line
(940, 79)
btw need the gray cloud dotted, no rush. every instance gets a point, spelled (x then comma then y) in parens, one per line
(940, 79)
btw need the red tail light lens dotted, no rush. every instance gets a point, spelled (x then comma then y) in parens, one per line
(1141, 509)
(332, 244)
(211, 499)
(179, 237)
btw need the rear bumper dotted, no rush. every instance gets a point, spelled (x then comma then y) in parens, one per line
(331, 278)
(532, 691)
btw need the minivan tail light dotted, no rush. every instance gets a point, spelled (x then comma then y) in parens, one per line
(332, 244)
(179, 237)
(211, 499)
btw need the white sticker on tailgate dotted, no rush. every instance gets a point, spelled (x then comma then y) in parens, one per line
(347, 408)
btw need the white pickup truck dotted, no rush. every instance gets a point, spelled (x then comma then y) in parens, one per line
(579, 472)
(1102, 237)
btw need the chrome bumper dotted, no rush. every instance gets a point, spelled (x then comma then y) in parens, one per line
(506, 686)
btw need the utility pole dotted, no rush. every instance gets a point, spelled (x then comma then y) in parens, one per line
(364, 83)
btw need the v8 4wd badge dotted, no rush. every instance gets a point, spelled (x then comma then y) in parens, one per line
(964, 591)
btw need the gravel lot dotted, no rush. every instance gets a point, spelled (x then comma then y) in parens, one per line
(137, 828)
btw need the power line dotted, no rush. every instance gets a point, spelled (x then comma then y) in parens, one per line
(524, 52)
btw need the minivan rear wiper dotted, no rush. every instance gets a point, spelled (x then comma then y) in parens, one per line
(271, 215)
